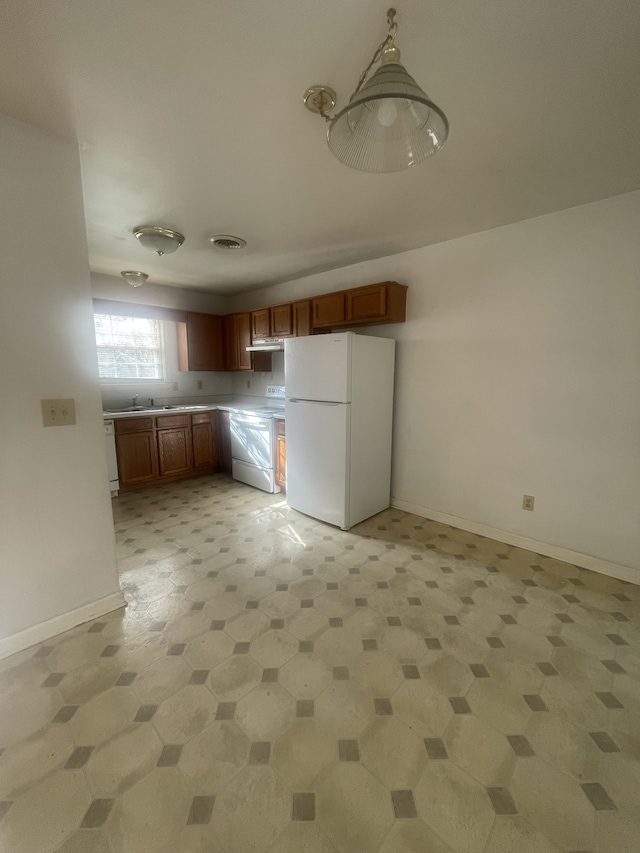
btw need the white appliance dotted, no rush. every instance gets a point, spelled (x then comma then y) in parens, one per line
(339, 410)
(253, 441)
(112, 461)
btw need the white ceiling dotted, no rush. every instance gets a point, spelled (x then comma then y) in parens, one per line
(190, 115)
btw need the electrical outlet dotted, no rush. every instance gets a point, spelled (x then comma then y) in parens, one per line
(175, 386)
(527, 502)
(199, 384)
(58, 412)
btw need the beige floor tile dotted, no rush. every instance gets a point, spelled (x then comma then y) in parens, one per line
(393, 752)
(424, 710)
(343, 710)
(252, 810)
(209, 649)
(32, 759)
(616, 832)
(212, 758)
(454, 806)
(119, 763)
(413, 837)
(183, 715)
(338, 647)
(266, 712)
(302, 753)
(554, 803)
(377, 673)
(151, 815)
(46, 814)
(305, 676)
(274, 648)
(162, 679)
(353, 808)
(512, 833)
(479, 749)
(302, 837)
(86, 841)
(565, 746)
(234, 678)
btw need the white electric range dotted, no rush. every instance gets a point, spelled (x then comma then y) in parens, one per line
(253, 441)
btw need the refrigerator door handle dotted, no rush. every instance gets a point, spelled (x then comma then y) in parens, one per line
(315, 402)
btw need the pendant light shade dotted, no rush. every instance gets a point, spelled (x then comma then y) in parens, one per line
(390, 124)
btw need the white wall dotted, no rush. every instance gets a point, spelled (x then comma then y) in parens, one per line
(214, 385)
(518, 373)
(57, 553)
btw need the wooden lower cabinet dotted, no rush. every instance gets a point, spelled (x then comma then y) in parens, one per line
(224, 434)
(137, 458)
(165, 447)
(281, 454)
(205, 446)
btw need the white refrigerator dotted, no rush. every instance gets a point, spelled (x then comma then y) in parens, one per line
(339, 411)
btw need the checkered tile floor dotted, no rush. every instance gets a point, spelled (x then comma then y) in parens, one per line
(277, 685)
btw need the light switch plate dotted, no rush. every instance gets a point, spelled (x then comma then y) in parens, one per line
(58, 412)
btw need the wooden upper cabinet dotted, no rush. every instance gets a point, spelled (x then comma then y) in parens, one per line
(200, 342)
(260, 324)
(328, 310)
(281, 321)
(375, 303)
(237, 337)
(301, 318)
(244, 340)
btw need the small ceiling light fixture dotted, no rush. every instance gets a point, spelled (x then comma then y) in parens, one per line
(227, 241)
(161, 240)
(135, 278)
(389, 124)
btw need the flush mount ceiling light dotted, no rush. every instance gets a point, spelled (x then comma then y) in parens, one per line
(227, 241)
(389, 123)
(135, 278)
(161, 240)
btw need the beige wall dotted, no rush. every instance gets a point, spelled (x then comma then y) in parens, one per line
(518, 372)
(57, 550)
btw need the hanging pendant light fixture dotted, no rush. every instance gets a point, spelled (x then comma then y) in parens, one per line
(390, 123)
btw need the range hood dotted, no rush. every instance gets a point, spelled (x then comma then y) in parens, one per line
(267, 345)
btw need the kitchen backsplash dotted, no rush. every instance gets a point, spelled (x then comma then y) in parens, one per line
(255, 384)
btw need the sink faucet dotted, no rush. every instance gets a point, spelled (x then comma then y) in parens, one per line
(151, 401)
(135, 400)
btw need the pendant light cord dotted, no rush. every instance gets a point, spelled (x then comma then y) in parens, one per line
(391, 34)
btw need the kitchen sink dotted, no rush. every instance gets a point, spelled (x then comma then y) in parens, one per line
(153, 409)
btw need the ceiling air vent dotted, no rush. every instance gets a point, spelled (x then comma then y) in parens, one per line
(226, 241)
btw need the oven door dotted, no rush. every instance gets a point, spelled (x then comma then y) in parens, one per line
(252, 450)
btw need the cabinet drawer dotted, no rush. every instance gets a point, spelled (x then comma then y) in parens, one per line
(201, 418)
(169, 421)
(124, 425)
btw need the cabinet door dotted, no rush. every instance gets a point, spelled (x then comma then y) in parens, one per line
(366, 303)
(281, 456)
(137, 458)
(204, 446)
(243, 341)
(302, 318)
(282, 321)
(224, 441)
(260, 324)
(174, 450)
(204, 342)
(329, 310)
(383, 302)
(230, 339)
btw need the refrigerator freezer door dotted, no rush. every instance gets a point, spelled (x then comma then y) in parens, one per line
(319, 367)
(317, 460)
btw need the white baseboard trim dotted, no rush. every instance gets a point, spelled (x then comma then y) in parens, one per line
(51, 627)
(585, 561)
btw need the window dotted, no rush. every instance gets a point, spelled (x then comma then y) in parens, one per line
(129, 348)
